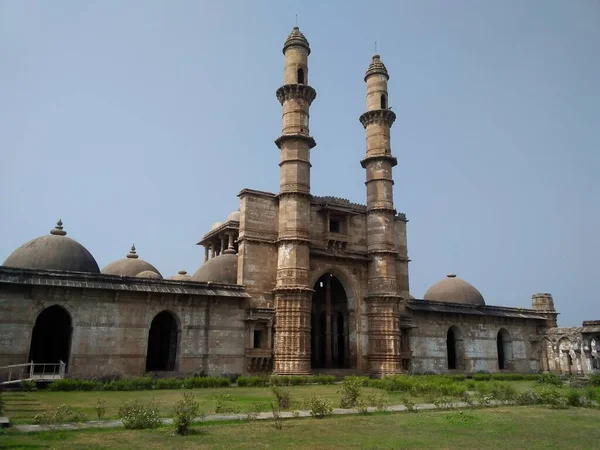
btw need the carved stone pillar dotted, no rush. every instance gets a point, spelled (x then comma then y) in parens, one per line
(230, 248)
(206, 249)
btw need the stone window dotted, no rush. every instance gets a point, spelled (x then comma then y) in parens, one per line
(334, 226)
(383, 101)
(258, 338)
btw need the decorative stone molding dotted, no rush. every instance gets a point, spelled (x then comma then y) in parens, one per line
(378, 116)
(296, 91)
(375, 158)
(295, 137)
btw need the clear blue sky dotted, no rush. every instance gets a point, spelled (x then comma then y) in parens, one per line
(140, 121)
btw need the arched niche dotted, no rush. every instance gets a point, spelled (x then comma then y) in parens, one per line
(163, 343)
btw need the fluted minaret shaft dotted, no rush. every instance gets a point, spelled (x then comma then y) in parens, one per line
(293, 295)
(382, 298)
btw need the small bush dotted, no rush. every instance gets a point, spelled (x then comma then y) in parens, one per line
(554, 397)
(223, 406)
(319, 407)
(376, 400)
(254, 409)
(136, 415)
(550, 378)
(100, 408)
(170, 383)
(28, 385)
(62, 413)
(277, 422)
(482, 376)
(528, 397)
(409, 404)
(185, 411)
(594, 380)
(326, 379)
(283, 397)
(351, 390)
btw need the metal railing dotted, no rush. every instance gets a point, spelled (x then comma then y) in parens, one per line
(32, 371)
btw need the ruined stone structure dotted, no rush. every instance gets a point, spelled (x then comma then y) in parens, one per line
(291, 283)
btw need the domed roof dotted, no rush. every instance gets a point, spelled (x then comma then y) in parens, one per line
(296, 38)
(234, 216)
(216, 225)
(220, 269)
(149, 274)
(454, 290)
(181, 276)
(375, 67)
(53, 252)
(129, 266)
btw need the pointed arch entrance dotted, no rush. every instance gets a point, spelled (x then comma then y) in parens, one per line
(162, 343)
(330, 343)
(51, 336)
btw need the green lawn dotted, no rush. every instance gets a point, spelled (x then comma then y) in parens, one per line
(22, 406)
(497, 428)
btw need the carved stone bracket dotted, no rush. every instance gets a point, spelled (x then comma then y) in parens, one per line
(378, 116)
(296, 91)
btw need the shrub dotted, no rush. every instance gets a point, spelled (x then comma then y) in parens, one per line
(136, 415)
(277, 422)
(482, 376)
(351, 391)
(100, 408)
(503, 391)
(254, 409)
(222, 405)
(528, 397)
(283, 397)
(319, 407)
(1, 404)
(185, 411)
(327, 379)
(376, 400)
(28, 385)
(409, 404)
(553, 397)
(171, 383)
(62, 413)
(594, 380)
(550, 378)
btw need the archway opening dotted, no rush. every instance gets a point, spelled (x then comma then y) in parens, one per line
(383, 101)
(162, 343)
(329, 320)
(451, 349)
(300, 75)
(504, 347)
(51, 337)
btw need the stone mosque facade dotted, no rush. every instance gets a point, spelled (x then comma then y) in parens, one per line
(291, 283)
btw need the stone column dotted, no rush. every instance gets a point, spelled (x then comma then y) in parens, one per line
(222, 247)
(206, 249)
(213, 250)
(328, 333)
(293, 295)
(230, 248)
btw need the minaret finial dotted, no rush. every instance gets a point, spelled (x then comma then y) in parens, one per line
(132, 254)
(58, 229)
(296, 20)
(375, 47)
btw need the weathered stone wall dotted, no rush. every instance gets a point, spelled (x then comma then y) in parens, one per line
(572, 351)
(476, 342)
(110, 329)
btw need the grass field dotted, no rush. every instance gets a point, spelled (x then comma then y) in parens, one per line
(498, 428)
(22, 406)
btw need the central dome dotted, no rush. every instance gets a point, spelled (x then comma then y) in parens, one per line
(53, 252)
(130, 266)
(454, 290)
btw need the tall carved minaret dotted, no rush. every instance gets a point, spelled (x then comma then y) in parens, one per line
(382, 297)
(293, 295)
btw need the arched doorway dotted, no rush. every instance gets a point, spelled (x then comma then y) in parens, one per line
(51, 336)
(329, 321)
(162, 343)
(454, 350)
(504, 347)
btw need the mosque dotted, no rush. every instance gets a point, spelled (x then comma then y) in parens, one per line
(291, 283)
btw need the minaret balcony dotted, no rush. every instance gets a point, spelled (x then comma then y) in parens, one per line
(378, 116)
(296, 91)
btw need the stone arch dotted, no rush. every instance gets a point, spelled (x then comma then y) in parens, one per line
(51, 336)
(164, 336)
(504, 349)
(455, 348)
(344, 277)
(565, 357)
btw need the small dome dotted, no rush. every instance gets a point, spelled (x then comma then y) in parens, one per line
(53, 252)
(296, 38)
(234, 216)
(181, 276)
(220, 269)
(129, 266)
(149, 274)
(377, 67)
(454, 290)
(216, 225)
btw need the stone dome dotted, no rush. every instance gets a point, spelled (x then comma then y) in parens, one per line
(377, 67)
(220, 269)
(149, 274)
(216, 225)
(53, 252)
(454, 290)
(296, 38)
(234, 216)
(181, 276)
(130, 266)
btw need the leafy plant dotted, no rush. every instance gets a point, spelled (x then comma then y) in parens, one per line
(550, 378)
(319, 407)
(223, 406)
(409, 404)
(277, 422)
(62, 413)
(283, 397)
(136, 415)
(100, 408)
(351, 390)
(185, 411)
(28, 385)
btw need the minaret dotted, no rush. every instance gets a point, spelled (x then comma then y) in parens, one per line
(382, 296)
(293, 295)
